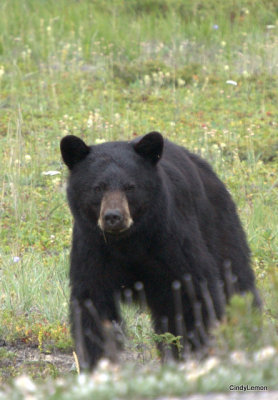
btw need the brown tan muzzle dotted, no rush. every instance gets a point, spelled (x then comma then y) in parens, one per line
(114, 214)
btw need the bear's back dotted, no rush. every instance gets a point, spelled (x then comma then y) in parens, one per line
(195, 173)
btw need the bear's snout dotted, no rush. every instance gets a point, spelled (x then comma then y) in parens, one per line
(114, 213)
(113, 219)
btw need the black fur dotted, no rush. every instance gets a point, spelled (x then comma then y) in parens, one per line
(185, 222)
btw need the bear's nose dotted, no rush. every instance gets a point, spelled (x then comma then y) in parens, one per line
(113, 219)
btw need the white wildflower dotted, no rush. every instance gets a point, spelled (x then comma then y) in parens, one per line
(210, 363)
(103, 364)
(82, 379)
(51, 173)
(265, 353)
(99, 141)
(2, 71)
(147, 80)
(230, 82)
(90, 122)
(181, 82)
(25, 384)
(203, 369)
(56, 181)
(100, 377)
(238, 357)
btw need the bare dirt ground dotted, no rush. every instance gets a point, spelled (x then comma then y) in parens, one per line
(16, 360)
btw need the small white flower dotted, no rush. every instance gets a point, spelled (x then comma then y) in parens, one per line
(238, 357)
(56, 181)
(16, 259)
(100, 377)
(181, 82)
(270, 26)
(103, 364)
(28, 158)
(82, 379)
(25, 384)
(51, 173)
(147, 80)
(230, 82)
(203, 369)
(99, 141)
(265, 353)
(90, 122)
(210, 363)
(2, 71)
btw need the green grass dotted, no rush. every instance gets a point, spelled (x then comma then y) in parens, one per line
(112, 70)
(150, 382)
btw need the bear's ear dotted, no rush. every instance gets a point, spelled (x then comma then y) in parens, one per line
(73, 150)
(150, 146)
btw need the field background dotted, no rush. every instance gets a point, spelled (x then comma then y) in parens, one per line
(204, 73)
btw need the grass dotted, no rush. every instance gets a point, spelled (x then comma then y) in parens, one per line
(108, 71)
(151, 383)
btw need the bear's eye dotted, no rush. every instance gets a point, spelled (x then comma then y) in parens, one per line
(129, 187)
(98, 188)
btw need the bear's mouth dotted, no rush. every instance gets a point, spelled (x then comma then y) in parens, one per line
(117, 231)
(116, 235)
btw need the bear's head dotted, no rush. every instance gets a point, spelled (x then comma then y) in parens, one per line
(112, 186)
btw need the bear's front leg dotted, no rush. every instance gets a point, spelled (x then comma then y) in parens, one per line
(94, 329)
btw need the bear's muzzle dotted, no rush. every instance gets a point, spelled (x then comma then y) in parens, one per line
(114, 213)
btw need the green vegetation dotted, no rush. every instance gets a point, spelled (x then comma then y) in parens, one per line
(202, 73)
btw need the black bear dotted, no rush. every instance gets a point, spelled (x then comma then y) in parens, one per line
(149, 214)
